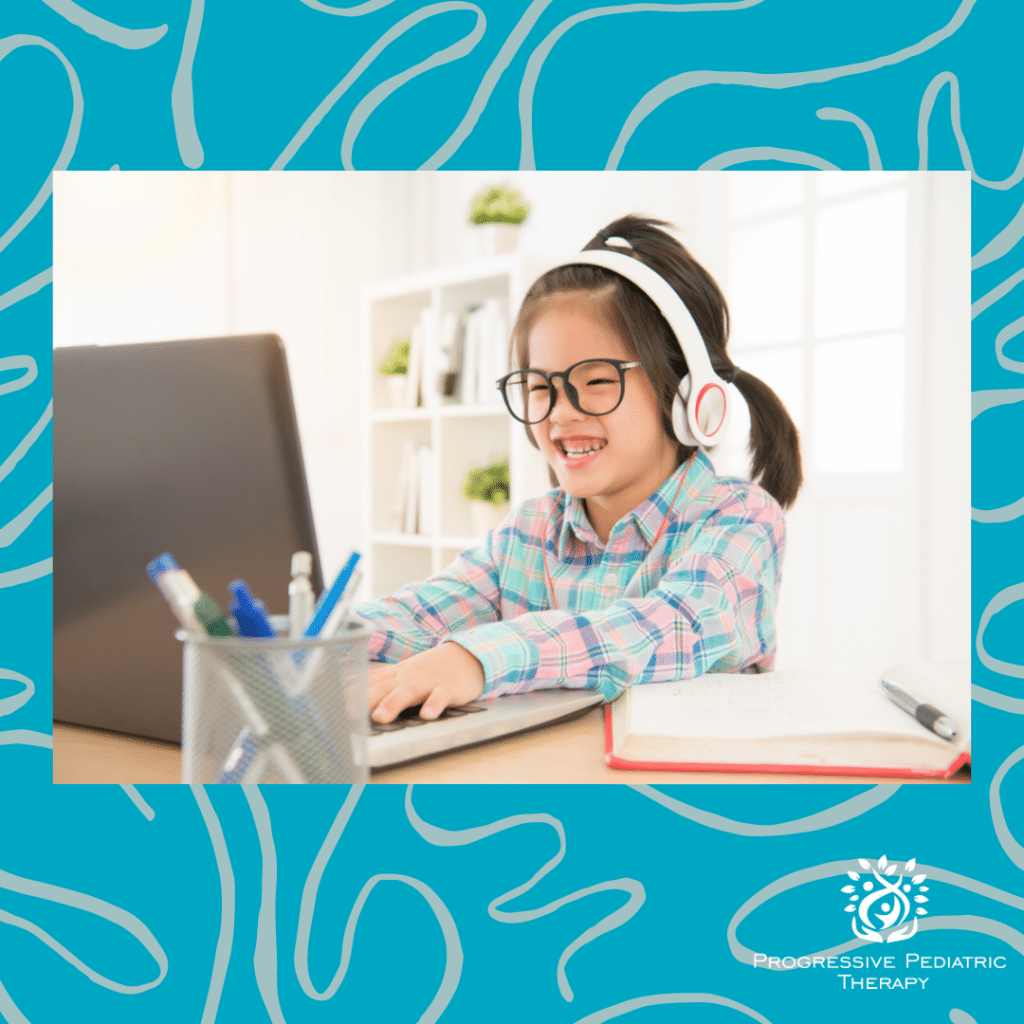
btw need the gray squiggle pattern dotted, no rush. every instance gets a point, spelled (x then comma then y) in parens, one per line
(90, 905)
(371, 101)
(665, 998)
(182, 106)
(222, 955)
(26, 288)
(1012, 848)
(453, 946)
(732, 157)
(671, 87)
(136, 798)
(852, 808)
(837, 114)
(927, 103)
(128, 38)
(528, 86)
(7, 47)
(460, 837)
(264, 960)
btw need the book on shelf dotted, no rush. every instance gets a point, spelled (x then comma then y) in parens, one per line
(811, 721)
(484, 351)
(415, 490)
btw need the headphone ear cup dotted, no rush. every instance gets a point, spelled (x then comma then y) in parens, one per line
(679, 425)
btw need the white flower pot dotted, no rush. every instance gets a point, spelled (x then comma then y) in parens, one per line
(486, 516)
(395, 387)
(495, 239)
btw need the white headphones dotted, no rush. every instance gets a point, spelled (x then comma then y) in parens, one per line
(705, 420)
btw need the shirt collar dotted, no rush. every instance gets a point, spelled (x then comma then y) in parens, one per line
(689, 481)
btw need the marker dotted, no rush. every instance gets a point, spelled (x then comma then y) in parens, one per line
(928, 715)
(179, 590)
(198, 613)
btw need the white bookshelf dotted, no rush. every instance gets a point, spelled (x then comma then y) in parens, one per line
(460, 436)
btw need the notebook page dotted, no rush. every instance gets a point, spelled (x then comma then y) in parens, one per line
(800, 702)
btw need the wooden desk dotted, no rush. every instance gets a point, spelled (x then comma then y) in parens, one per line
(567, 752)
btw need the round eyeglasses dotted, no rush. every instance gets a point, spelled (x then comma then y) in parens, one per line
(593, 386)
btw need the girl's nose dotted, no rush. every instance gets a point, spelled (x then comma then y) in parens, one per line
(564, 411)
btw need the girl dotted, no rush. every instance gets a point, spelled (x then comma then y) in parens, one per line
(644, 566)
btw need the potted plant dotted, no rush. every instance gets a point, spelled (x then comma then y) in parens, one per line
(395, 368)
(487, 490)
(498, 211)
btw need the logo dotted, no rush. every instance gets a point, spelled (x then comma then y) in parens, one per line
(885, 906)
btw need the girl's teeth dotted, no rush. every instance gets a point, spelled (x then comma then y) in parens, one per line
(576, 452)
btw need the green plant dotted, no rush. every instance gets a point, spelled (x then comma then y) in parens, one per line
(488, 484)
(499, 205)
(397, 359)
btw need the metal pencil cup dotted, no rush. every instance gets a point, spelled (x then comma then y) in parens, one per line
(275, 710)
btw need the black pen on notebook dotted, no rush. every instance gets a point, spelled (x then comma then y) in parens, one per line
(928, 715)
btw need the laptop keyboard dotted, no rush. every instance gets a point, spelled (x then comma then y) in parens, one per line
(410, 717)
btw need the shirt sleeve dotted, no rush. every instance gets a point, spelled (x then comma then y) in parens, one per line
(713, 608)
(423, 615)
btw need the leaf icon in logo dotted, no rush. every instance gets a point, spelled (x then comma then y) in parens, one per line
(911, 865)
(920, 899)
(917, 879)
(882, 863)
(847, 888)
(865, 864)
(854, 875)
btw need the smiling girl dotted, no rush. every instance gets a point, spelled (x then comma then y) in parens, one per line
(643, 566)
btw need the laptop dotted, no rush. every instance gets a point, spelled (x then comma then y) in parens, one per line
(190, 447)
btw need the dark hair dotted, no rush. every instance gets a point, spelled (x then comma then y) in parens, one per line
(774, 441)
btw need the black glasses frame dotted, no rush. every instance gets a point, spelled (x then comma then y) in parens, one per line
(621, 365)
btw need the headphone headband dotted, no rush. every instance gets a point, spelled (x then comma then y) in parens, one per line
(708, 413)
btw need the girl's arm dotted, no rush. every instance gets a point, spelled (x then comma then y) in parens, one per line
(713, 608)
(421, 615)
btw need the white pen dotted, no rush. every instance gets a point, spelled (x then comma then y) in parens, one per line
(927, 714)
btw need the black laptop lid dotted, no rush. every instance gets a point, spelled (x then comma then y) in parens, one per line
(189, 447)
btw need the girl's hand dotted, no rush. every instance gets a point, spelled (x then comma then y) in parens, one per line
(445, 676)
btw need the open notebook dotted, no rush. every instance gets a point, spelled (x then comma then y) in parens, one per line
(814, 721)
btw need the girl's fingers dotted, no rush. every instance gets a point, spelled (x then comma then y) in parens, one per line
(402, 696)
(438, 700)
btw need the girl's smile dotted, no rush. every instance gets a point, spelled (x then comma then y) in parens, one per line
(614, 462)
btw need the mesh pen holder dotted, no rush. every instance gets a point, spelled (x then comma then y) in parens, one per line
(275, 710)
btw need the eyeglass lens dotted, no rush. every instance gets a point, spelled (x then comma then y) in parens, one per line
(594, 388)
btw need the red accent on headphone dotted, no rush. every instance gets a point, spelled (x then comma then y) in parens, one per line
(696, 411)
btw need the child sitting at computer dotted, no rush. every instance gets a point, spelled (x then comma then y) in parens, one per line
(644, 566)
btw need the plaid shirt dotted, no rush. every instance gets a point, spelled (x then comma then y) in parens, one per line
(703, 600)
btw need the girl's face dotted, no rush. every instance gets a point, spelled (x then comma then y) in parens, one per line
(614, 462)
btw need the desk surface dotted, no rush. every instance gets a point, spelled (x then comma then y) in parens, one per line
(566, 752)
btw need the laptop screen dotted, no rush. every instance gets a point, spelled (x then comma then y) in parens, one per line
(190, 447)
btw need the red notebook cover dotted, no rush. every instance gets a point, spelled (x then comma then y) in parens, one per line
(790, 769)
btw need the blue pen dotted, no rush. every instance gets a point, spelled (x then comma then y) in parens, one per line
(329, 598)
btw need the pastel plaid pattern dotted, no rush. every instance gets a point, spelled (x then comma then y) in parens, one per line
(702, 600)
